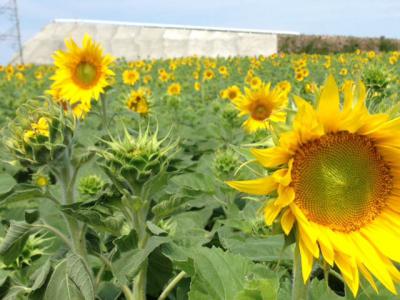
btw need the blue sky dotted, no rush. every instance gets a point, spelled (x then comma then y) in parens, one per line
(344, 17)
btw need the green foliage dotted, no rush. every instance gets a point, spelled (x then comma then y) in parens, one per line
(131, 203)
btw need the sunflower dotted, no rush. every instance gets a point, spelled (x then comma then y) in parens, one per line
(223, 71)
(231, 92)
(262, 105)
(79, 109)
(174, 89)
(208, 75)
(40, 128)
(197, 86)
(130, 77)
(137, 101)
(81, 73)
(255, 83)
(337, 176)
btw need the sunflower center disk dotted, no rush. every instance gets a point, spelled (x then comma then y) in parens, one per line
(86, 73)
(341, 181)
(260, 112)
(232, 95)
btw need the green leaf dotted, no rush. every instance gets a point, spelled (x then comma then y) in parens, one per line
(96, 215)
(60, 286)
(189, 228)
(259, 289)
(14, 241)
(7, 182)
(319, 290)
(40, 275)
(21, 192)
(159, 273)
(70, 280)
(16, 292)
(4, 275)
(195, 182)
(255, 248)
(225, 276)
(168, 207)
(129, 262)
(80, 275)
(108, 291)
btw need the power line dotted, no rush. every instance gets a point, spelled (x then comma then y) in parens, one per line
(9, 8)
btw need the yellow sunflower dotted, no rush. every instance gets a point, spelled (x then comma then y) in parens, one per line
(40, 128)
(130, 77)
(337, 176)
(81, 73)
(137, 101)
(264, 105)
(174, 89)
(208, 75)
(231, 92)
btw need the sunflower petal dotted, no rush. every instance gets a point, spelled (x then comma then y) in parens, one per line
(271, 157)
(287, 221)
(260, 186)
(328, 107)
(271, 211)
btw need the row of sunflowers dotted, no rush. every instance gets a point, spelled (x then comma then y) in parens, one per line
(269, 177)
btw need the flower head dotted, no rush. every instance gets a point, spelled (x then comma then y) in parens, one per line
(81, 73)
(263, 106)
(335, 175)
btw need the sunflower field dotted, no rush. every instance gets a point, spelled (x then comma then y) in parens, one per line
(241, 178)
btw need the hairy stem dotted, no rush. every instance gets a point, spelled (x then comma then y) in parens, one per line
(127, 293)
(170, 287)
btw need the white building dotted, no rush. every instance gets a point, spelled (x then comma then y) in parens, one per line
(134, 41)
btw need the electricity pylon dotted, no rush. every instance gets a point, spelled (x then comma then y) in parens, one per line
(9, 9)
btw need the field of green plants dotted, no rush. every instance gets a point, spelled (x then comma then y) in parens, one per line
(124, 193)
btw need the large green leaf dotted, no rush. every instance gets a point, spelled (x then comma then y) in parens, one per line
(21, 192)
(255, 248)
(224, 276)
(70, 280)
(188, 228)
(319, 290)
(108, 291)
(260, 289)
(14, 241)
(79, 273)
(192, 181)
(60, 286)
(96, 215)
(7, 182)
(16, 293)
(128, 264)
(40, 275)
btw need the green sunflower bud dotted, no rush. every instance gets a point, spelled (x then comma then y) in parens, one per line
(35, 247)
(39, 134)
(132, 161)
(40, 179)
(225, 163)
(230, 115)
(90, 185)
(377, 81)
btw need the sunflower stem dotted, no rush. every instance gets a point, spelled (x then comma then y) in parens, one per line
(171, 286)
(300, 289)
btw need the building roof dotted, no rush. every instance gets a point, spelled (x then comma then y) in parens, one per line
(174, 26)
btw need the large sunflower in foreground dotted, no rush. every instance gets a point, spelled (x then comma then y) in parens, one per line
(263, 106)
(81, 73)
(337, 176)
